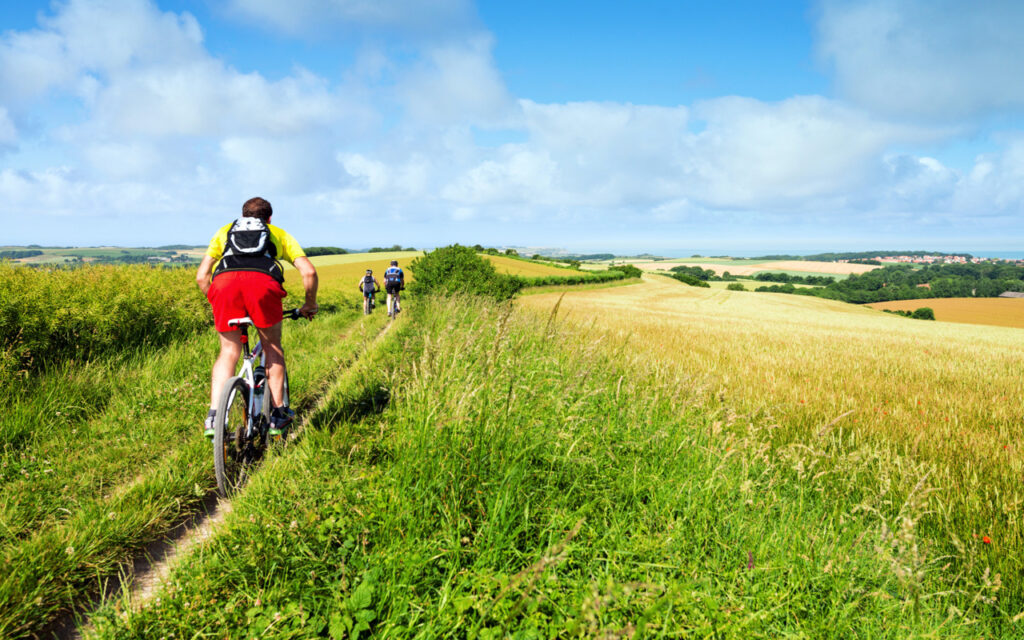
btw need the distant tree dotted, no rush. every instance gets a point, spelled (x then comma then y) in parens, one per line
(735, 286)
(923, 313)
(325, 251)
(511, 252)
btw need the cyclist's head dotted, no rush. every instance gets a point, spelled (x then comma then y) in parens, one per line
(257, 208)
(394, 263)
(369, 272)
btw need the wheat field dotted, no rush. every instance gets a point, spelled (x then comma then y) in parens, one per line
(998, 312)
(944, 393)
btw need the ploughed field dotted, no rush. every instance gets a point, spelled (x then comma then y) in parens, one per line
(999, 312)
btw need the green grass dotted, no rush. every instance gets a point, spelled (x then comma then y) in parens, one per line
(525, 479)
(109, 456)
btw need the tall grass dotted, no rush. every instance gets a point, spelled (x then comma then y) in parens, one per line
(527, 480)
(943, 395)
(111, 457)
(49, 316)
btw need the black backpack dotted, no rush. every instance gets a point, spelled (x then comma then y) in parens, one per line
(393, 276)
(368, 286)
(250, 248)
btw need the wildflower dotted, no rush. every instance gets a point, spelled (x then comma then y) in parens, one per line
(986, 540)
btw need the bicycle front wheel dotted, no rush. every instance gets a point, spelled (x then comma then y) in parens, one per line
(229, 445)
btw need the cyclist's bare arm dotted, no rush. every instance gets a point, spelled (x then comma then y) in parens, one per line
(204, 273)
(310, 282)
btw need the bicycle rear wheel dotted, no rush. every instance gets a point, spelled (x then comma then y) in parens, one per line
(229, 443)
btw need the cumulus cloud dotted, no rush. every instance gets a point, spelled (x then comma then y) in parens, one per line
(456, 83)
(729, 153)
(102, 36)
(162, 128)
(932, 58)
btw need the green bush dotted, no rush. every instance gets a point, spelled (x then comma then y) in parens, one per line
(923, 313)
(629, 270)
(690, 280)
(458, 269)
(735, 286)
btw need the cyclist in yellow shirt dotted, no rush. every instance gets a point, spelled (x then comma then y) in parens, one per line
(241, 276)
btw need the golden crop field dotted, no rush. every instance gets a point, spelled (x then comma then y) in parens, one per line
(514, 267)
(998, 312)
(948, 393)
(341, 273)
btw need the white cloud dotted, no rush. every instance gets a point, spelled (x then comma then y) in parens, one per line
(456, 83)
(93, 36)
(932, 58)
(756, 154)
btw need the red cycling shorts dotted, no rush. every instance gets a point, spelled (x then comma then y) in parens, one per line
(237, 294)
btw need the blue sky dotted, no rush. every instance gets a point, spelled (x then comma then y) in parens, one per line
(719, 127)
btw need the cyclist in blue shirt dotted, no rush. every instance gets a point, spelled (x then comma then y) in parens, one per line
(394, 282)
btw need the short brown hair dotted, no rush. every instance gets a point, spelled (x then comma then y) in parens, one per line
(257, 208)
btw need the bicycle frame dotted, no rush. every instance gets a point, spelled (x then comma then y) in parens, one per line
(248, 372)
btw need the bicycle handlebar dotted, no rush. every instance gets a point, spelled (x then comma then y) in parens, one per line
(293, 313)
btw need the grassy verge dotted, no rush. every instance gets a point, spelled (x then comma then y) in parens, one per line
(525, 480)
(97, 483)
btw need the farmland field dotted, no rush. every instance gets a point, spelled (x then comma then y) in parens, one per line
(999, 312)
(633, 461)
(527, 477)
(818, 368)
(516, 267)
(749, 268)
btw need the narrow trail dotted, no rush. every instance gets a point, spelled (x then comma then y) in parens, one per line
(150, 571)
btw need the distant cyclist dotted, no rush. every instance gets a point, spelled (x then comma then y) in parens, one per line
(394, 282)
(368, 285)
(247, 281)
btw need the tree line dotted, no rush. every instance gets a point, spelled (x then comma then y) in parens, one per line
(904, 282)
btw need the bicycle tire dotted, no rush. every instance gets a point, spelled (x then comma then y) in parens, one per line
(229, 446)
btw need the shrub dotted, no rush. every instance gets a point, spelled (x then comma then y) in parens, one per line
(924, 313)
(690, 280)
(628, 270)
(458, 269)
(735, 286)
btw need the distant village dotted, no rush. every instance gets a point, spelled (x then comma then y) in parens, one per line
(932, 259)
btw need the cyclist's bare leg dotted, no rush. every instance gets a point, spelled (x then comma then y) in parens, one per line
(271, 340)
(227, 360)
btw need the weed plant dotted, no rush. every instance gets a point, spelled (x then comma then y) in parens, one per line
(527, 479)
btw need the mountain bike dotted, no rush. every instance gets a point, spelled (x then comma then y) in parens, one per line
(243, 413)
(394, 307)
(368, 302)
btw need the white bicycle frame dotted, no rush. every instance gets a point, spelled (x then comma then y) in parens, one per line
(247, 372)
